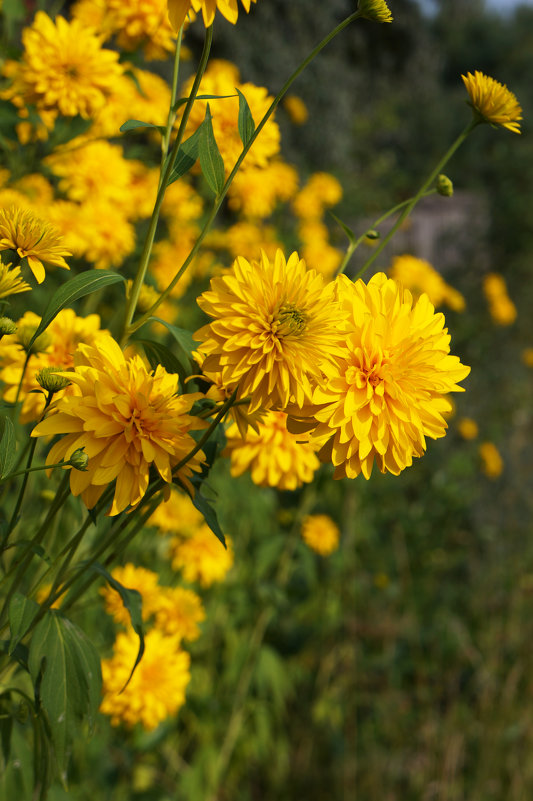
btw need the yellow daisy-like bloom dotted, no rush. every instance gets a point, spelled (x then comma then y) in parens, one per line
(386, 394)
(419, 276)
(491, 460)
(492, 101)
(254, 192)
(64, 68)
(274, 325)
(32, 238)
(321, 191)
(127, 419)
(501, 307)
(179, 9)
(274, 456)
(133, 578)
(157, 688)
(201, 557)
(375, 10)
(178, 613)
(468, 428)
(177, 515)
(11, 281)
(54, 348)
(222, 78)
(320, 533)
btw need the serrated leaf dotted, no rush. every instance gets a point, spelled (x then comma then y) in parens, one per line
(210, 516)
(211, 161)
(186, 156)
(132, 125)
(79, 286)
(67, 665)
(22, 612)
(348, 231)
(8, 453)
(246, 122)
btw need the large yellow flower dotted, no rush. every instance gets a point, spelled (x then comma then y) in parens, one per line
(274, 456)
(157, 688)
(32, 238)
(64, 68)
(127, 420)
(386, 394)
(493, 101)
(178, 10)
(274, 324)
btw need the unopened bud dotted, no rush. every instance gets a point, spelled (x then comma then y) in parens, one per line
(79, 460)
(7, 326)
(372, 234)
(444, 186)
(48, 379)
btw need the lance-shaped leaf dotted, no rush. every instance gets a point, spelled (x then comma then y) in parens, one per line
(132, 125)
(210, 516)
(22, 613)
(7, 446)
(186, 156)
(211, 161)
(246, 122)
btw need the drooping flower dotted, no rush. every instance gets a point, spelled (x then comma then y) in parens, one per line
(491, 460)
(385, 395)
(178, 10)
(274, 324)
(11, 281)
(201, 557)
(32, 238)
(374, 10)
(157, 688)
(419, 276)
(127, 419)
(274, 456)
(492, 101)
(320, 533)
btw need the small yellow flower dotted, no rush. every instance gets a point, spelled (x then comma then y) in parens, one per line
(177, 515)
(11, 281)
(501, 307)
(419, 276)
(296, 109)
(492, 101)
(320, 533)
(32, 238)
(178, 612)
(201, 556)
(468, 428)
(491, 460)
(375, 10)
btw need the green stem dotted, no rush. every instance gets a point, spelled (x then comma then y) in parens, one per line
(32, 469)
(171, 119)
(224, 409)
(412, 203)
(130, 329)
(19, 388)
(131, 304)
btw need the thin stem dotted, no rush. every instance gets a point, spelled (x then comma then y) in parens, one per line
(131, 304)
(224, 409)
(219, 199)
(32, 469)
(174, 93)
(19, 388)
(412, 203)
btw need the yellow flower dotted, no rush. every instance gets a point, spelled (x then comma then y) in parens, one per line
(321, 191)
(133, 578)
(296, 109)
(491, 460)
(64, 68)
(32, 238)
(316, 248)
(374, 10)
(419, 276)
(201, 556)
(501, 307)
(178, 612)
(274, 456)
(178, 10)
(492, 101)
(177, 515)
(127, 420)
(255, 191)
(157, 687)
(385, 395)
(11, 281)
(274, 323)
(320, 533)
(468, 428)
(61, 339)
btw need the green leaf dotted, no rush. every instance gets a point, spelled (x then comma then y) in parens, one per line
(8, 452)
(79, 286)
(186, 156)
(67, 665)
(132, 600)
(210, 516)
(184, 350)
(348, 231)
(246, 121)
(22, 612)
(132, 125)
(211, 161)
(156, 353)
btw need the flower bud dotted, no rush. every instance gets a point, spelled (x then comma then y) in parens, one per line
(79, 460)
(48, 379)
(444, 186)
(7, 326)
(375, 10)
(372, 234)
(24, 335)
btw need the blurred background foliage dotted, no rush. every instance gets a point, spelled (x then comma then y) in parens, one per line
(398, 668)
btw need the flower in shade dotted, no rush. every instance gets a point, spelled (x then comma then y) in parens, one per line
(201, 556)
(492, 101)
(11, 281)
(274, 324)
(178, 10)
(320, 533)
(32, 238)
(274, 456)
(385, 395)
(178, 612)
(491, 460)
(127, 419)
(374, 10)
(157, 688)
(419, 276)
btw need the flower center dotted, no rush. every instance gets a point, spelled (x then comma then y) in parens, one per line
(290, 320)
